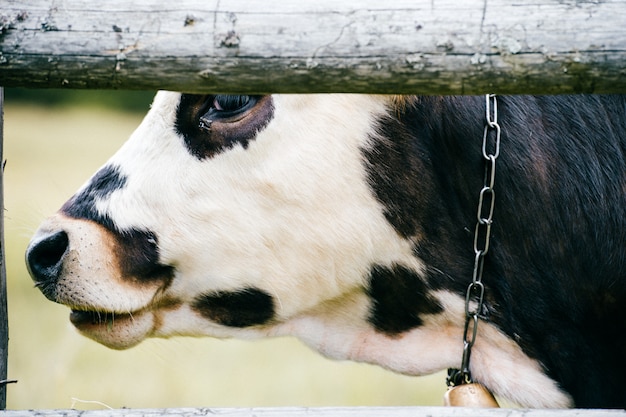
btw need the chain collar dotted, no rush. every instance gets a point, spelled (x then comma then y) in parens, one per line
(475, 294)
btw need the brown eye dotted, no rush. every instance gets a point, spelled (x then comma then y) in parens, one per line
(211, 124)
(226, 108)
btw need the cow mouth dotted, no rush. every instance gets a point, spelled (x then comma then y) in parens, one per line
(112, 329)
(85, 318)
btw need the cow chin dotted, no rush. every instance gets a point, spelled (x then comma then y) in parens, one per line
(116, 331)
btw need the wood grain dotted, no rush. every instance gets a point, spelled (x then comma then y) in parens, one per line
(246, 46)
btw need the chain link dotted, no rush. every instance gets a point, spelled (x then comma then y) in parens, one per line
(475, 294)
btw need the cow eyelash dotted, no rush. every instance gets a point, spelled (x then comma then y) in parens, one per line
(224, 107)
(229, 103)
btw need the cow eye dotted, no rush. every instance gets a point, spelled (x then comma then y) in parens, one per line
(229, 104)
(226, 108)
(213, 123)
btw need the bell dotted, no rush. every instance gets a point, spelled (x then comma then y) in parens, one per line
(469, 395)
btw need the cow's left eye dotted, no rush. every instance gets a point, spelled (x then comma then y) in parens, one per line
(213, 123)
(226, 108)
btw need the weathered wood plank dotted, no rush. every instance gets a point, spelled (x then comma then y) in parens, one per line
(404, 46)
(320, 412)
(4, 320)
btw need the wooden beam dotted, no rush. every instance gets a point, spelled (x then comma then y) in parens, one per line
(294, 46)
(4, 319)
(320, 412)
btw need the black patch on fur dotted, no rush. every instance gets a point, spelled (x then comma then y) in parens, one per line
(555, 275)
(244, 308)
(102, 185)
(138, 255)
(221, 133)
(399, 298)
(136, 250)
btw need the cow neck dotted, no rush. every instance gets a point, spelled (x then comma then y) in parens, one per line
(475, 294)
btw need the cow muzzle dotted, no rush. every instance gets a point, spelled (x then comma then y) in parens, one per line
(79, 263)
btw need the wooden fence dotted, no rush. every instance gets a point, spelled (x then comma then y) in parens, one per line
(246, 46)
(4, 319)
(320, 412)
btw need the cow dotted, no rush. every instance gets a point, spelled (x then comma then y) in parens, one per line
(347, 221)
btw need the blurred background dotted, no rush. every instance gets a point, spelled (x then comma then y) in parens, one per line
(54, 141)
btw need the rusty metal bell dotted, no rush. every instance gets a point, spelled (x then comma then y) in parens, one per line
(469, 395)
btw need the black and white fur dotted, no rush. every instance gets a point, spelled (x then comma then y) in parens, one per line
(347, 221)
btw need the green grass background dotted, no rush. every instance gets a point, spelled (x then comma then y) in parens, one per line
(50, 151)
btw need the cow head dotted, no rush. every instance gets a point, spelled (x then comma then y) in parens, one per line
(255, 216)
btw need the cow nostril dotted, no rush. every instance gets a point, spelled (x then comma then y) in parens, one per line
(45, 257)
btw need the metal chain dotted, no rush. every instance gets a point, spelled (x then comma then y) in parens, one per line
(475, 294)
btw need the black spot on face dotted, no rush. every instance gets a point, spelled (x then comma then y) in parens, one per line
(211, 124)
(102, 185)
(136, 250)
(399, 297)
(248, 307)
